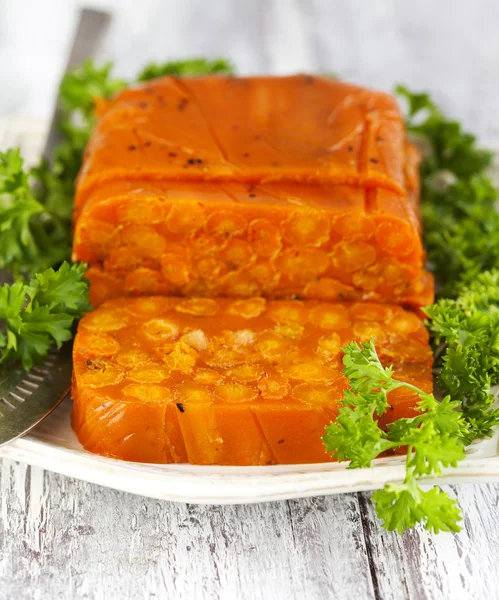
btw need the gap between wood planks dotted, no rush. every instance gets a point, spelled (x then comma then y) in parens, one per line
(364, 501)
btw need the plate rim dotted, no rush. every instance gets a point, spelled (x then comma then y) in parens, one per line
(216, 485)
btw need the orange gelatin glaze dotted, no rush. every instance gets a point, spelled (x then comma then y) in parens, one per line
(230, 382)
(269, 186)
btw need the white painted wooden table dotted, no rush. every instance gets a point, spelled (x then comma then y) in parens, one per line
(63, 539)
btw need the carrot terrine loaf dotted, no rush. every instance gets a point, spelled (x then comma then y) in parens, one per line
(231, 382)
(281, 187)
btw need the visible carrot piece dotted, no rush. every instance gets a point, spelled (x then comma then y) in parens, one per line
(294, 433)
(284, 251)
(123, 427)
(232, 382)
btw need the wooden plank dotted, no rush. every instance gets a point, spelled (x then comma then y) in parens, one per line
(423, 566)
(68, 539)
(65, 539)
(330, 551)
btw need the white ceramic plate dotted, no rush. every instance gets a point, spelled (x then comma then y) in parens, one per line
(53, 445)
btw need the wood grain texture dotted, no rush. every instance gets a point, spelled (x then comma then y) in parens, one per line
(423, 566)
(66, 539)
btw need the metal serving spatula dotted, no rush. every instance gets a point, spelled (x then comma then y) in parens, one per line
(28, 397)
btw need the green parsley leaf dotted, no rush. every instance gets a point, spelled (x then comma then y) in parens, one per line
(17, 207)
(30, 236)
(65, 289)
(461, 232)
(446, 147)
(183, 68)
(355, 435)
(80, 87)
(401, 507)
(464, 327)
(460, 222)
(37, 314)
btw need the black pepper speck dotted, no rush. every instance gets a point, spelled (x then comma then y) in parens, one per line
(180, 406)
(132, 147)
(374, 160)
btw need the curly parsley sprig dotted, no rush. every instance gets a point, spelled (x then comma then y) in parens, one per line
(36, 314)
(32, 236)
(445, 145)
(467, 331)
(434, 439)
(460, 222)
